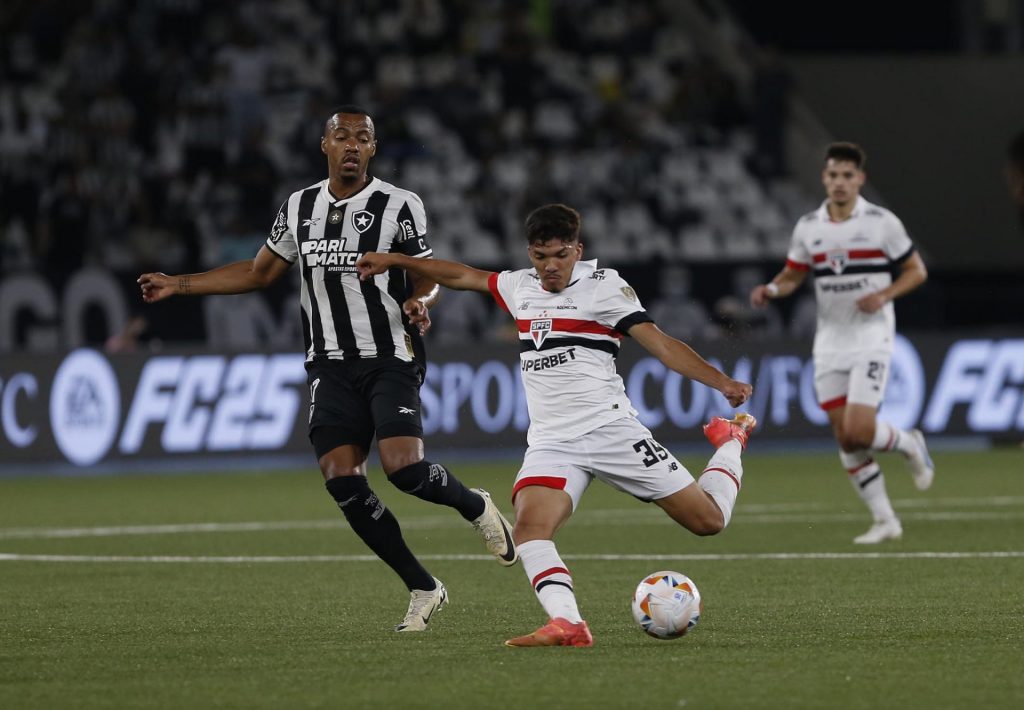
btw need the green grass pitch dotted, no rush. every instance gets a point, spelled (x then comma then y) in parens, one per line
(248, 591)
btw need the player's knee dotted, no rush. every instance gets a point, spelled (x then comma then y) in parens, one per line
(335, 467)
(336, 470)
(710, 523)
(854, 440)
(531, 526)
(525, 531)
(394, 461)
(708, 520)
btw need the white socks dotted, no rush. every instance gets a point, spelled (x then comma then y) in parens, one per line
(722, 477)
(889, 438)
(867, 479)
(550, 579)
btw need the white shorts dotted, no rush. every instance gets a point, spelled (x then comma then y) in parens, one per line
(621, 453)
(857, 377)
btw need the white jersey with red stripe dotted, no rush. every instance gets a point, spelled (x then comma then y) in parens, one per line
(849, 260)
(568, 344)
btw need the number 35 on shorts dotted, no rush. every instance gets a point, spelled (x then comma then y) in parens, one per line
(651, 452)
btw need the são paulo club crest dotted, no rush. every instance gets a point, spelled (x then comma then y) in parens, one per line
(836, 260)
(539, 330)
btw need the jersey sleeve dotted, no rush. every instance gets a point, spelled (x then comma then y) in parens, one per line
(895, 240)
(411, 238)
(617, 305)
(503, 289)
(798, 257)
(282, 237)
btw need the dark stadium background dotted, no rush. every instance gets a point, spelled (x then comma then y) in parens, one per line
(164, 134)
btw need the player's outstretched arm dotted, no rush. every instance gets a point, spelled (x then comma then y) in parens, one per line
(449, 274)
(785, 282)
(679, 356)
(239, 277)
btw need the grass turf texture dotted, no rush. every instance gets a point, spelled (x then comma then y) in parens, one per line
(787, 633)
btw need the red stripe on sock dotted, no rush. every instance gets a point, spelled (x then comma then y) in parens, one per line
(549, 572)
(727, 473)
(856, 469)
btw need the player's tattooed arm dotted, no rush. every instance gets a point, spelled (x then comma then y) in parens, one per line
(239, 277)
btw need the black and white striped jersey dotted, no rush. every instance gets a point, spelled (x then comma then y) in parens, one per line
(343, 317)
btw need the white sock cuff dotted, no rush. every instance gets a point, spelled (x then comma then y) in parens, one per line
(886, 436)
(854, 459)
(728, 457)
(540, 558)
(532, 546)
(723, 487)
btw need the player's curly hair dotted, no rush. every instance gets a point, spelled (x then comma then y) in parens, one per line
(555, 221)
(351, 109)
(846, 152)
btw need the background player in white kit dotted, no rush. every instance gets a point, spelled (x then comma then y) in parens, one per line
(852, 245)
(571, 316)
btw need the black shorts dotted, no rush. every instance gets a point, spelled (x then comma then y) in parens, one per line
(352, 400)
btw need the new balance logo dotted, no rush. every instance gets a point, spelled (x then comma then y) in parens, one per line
(406, 410)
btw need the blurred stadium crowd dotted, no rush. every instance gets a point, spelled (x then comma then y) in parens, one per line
(164, 134)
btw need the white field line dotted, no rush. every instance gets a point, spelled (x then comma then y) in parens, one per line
(110, 531)
(759, 514)
(773, 556)
(805, 506)
(597, 518)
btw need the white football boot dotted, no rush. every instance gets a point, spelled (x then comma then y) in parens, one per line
(880, 532)
(921, 466)
(496, 531)
(422, 606)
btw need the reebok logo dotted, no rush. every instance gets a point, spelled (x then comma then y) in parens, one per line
(406, 410)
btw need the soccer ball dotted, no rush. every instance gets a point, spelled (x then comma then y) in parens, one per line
(667, 604)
